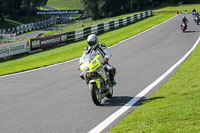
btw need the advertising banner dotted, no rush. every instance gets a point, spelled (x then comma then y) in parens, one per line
(48, 41)
(15, 48)
(35, 43)
(59, 12)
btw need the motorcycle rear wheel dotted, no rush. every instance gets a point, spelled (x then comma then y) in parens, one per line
(95, 94)
(183, 28)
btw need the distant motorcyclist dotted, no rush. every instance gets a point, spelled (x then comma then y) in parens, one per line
(196, 18)
(193, 12)
(94, 48)
(197, 15)
(184, 21)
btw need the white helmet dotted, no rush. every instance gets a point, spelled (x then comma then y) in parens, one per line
(92, 40)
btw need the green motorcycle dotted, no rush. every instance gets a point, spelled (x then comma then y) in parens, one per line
(98, 87)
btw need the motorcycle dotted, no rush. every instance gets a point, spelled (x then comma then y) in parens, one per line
(196, 20)
(184, 27)
(193, 13)
(99, 88)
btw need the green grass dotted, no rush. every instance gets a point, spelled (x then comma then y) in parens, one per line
(65, 4)
(175, 108)
(181, 8)
(75, 50)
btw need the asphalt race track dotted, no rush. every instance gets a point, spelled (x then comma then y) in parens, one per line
(56, 100)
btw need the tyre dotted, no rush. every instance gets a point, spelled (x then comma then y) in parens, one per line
(95, 94)
(183, 28)
(110, 94)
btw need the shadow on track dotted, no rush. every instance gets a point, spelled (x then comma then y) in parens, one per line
(145, 100)
(116, 101)
(191, 31)
(122, 100)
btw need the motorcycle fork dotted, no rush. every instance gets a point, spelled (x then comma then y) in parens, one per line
(97, 82)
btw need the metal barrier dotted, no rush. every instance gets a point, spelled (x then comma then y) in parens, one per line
(30, 27)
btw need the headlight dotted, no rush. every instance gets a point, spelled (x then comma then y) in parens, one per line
(86, 68)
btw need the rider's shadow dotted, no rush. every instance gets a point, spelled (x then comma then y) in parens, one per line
(191, 31)
(122, 100)
(116, 101)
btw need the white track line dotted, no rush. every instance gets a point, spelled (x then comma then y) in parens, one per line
(78, 58)
(115, 115)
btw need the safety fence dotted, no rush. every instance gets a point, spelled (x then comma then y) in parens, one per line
(30, 27)
(5, 38)
(68, 37)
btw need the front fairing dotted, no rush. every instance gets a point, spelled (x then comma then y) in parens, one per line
(90, 66)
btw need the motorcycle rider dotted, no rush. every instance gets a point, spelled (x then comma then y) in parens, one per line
(193, 12)
(196, 17)
(197, 14)
(94, 48)
(184, 21)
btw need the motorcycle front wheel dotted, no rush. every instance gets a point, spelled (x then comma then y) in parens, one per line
(95, 94)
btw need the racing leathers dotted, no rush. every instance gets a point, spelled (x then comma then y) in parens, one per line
(92, 52)
(184, 21)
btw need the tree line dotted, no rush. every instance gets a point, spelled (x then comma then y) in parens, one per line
(13, 8)
(97, 9)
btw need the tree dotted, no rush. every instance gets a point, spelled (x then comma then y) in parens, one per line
(91, 8)
(2, 9)
(12, 8)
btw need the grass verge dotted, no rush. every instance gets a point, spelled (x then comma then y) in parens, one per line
(175, 108)
(180, 8)
(65, 4)
(75, 50)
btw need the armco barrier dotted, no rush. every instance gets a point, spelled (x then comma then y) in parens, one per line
(30, 27)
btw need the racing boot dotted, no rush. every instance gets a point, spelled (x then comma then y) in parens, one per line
(113, 82)
(112, 75)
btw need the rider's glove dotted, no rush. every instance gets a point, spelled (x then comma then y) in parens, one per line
(81, 62)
